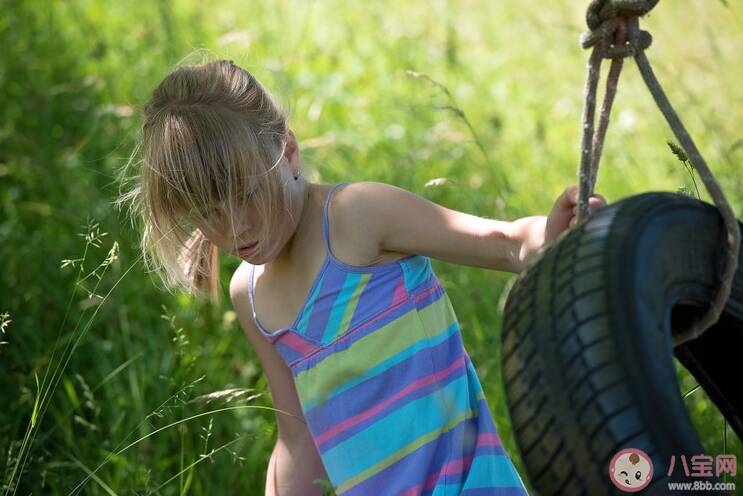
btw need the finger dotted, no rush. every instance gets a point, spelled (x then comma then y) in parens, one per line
(571, 192)
(596, 203)
(568, 197)
(599, 198)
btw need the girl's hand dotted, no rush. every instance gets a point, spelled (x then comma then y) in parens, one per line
(537, 232)
(565, 210)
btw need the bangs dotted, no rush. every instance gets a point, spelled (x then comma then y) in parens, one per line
(207, 164)
(211, 139)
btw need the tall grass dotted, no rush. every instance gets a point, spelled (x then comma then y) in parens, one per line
(110, 385)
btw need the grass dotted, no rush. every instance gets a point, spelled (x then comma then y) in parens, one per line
(109, 384)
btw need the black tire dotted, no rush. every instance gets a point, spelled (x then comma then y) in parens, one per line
(587, 351)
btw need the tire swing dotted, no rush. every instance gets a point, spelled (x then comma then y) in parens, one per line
(591, 326)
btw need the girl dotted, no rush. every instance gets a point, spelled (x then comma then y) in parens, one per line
(360, 343)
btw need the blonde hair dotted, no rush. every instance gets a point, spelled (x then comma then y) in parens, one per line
(211, 137)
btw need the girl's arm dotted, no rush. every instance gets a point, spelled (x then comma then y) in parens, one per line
(385, 217)
(294, 462)
(292, 468)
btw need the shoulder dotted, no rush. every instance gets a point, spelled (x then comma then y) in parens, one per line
(239, 284)
(368, 204)
(357, 204)
(363, 189)
(358, 221)
(363, 196)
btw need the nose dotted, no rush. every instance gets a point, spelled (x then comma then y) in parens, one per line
(244, 238)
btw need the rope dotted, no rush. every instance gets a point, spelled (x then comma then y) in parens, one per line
(615, 34)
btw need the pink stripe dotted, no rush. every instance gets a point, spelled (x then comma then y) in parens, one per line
(488, 439)
(400, 293)
(350, 333)
(413, 386)
(413, 491)
(456, 466)
(296, 343)
(453, 467)
(427, 292)
(416, 298)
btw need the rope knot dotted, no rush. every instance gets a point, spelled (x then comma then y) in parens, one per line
(600, 11)
(608, 22)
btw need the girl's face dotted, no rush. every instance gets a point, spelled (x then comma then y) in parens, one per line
(240, 233)
(244, 243)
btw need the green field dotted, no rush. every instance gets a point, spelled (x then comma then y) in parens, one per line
(105, 376)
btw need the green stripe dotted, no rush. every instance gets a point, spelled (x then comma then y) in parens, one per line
(439, 314)
(406, 450)
(353, 303)
(316, 384)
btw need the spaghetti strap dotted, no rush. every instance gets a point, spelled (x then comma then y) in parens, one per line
(251, 281)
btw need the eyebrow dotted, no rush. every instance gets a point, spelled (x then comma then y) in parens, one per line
(222, 203)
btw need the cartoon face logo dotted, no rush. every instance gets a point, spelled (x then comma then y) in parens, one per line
(631, 470)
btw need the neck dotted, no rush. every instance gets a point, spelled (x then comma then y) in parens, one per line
(293, 249)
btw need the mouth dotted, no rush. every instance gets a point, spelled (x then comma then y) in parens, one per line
(246, 250)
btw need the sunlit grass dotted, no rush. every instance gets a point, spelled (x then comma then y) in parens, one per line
(475, 106)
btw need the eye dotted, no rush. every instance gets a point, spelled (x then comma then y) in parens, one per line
(214, 212)
(623, 472)
(638, 475)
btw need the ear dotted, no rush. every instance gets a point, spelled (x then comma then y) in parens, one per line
(292, 147)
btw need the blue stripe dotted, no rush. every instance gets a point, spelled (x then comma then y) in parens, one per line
(287, 353)
(492, 471)
(416, 271)
(381, 367)
(491, 491)
(347, 341)
(376, 296)
(426, 460)
(342, 300)
(391, 410)
(395, 431)
(302, 324)
(380, 387)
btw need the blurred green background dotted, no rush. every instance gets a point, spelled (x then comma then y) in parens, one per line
(99, 366)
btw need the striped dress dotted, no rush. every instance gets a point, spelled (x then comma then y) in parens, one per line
(390, 395)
